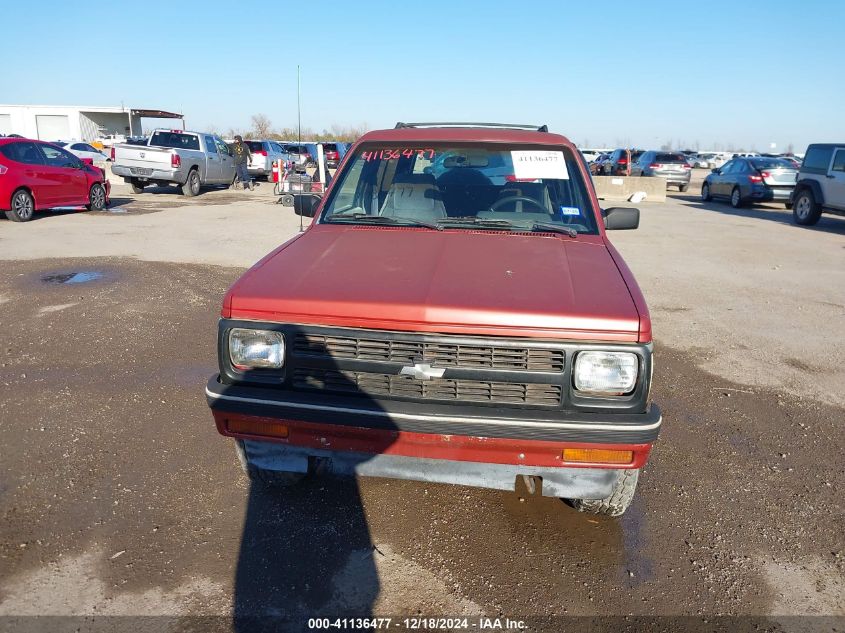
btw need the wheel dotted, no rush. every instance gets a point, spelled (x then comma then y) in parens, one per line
(137, 186)
(805, 210)
(618, 501)
(268, 478)
(683, 188)
(705, 192)
(23, 207)
(96, 198)
(736, 198)
(191, 187)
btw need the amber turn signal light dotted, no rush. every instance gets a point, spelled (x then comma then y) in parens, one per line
(251, 427)
(597, 456)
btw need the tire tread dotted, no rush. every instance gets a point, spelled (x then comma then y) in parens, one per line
(618, 501)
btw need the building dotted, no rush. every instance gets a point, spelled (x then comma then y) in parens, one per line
(65, 123)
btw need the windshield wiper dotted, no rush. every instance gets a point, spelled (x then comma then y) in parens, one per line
(554, 228)
(488, 223)
(366, 218)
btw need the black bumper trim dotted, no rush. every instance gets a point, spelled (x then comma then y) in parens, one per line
(610, 428)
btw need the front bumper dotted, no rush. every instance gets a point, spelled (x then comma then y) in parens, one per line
(439, 419)
(427, 442)
(567, 483)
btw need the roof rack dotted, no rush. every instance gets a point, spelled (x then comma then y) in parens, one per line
(539, 128)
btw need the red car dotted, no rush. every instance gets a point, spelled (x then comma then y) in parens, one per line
(35, 175)
(455, 313)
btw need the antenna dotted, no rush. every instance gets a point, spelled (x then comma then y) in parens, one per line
(298, 110)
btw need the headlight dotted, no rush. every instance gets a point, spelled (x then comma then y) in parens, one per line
(256, 349)
(611, 373)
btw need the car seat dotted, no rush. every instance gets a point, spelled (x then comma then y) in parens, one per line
(414, 196)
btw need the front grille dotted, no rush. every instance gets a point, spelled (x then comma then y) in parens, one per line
(438, 354)
(376, 384)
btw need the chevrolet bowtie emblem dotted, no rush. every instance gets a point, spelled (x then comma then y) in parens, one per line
(423, 371)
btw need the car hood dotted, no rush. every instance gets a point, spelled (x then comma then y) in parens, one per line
(482, 282)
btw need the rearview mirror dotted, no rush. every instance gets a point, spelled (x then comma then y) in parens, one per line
(621, 218)
(305, 204)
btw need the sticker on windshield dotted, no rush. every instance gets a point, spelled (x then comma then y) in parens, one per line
(397, 153)
(570, 211)
(535, 163)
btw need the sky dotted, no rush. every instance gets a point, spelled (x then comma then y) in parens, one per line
(707, 74)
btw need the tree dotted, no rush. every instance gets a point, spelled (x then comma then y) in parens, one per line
(261, 126)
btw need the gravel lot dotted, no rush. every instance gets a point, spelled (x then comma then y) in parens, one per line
(118, 497)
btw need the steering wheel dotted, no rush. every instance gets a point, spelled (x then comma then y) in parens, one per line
(508, 199)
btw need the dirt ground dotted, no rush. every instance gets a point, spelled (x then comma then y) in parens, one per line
(118, 497)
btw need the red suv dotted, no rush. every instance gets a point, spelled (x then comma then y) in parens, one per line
(455, 313)
(35, 175)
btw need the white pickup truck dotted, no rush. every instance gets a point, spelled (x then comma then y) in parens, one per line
(188, 159)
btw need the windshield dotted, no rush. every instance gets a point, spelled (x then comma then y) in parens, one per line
(497, 186)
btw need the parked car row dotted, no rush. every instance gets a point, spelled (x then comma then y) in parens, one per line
(810, 188)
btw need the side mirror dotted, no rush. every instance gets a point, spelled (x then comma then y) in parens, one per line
(88, 161)
(305, 204)
(715, 170)
(621, 218)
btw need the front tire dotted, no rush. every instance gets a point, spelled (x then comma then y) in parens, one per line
(96, 198)
(23, 207)
(617, 502)
(705, 193)
(266, 478)
(736, 198)
(191, 187)
(805, 210)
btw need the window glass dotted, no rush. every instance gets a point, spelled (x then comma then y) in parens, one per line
(464, 183)
(79, 147)
(56, 157)
(817, 159)
(255, 146)
(22, 153)
(729, 167)
(210, 144)
(839, 160)
(176, 140)
(771, 163)
(222, 147)
(670, 158)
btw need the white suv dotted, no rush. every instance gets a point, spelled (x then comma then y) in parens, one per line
(264, 154)
(821, 183)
